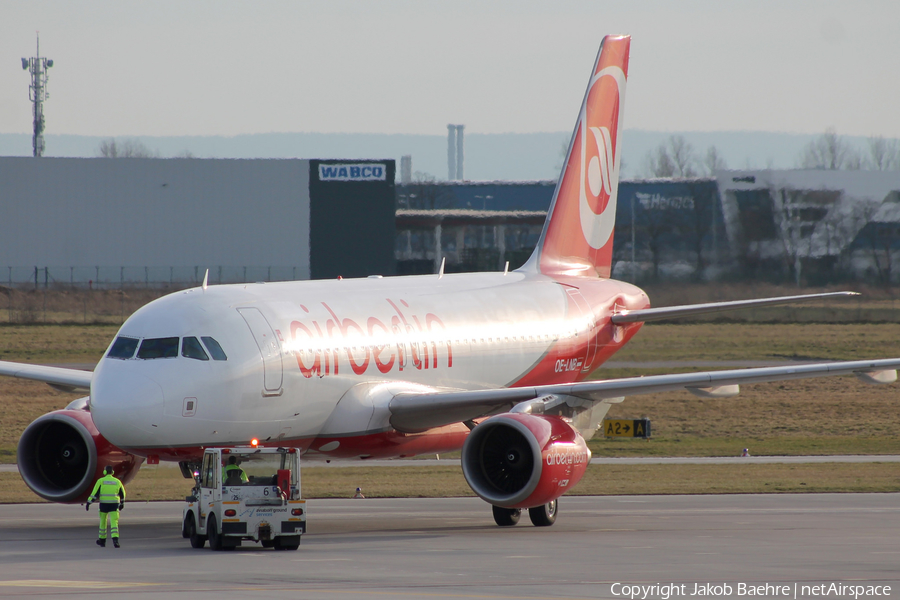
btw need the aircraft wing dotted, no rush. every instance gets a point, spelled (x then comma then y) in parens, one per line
(672, 312)
(67, 380)
(417, 412)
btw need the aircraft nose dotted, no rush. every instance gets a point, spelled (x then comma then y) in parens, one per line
(127, 410)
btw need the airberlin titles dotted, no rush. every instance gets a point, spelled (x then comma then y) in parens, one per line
(396, 343)
(567, 455)
(406, 343)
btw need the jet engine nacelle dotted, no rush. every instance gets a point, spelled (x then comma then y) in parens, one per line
(61, 455)
(518, 460)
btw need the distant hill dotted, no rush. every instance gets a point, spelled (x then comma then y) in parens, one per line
(504, 156)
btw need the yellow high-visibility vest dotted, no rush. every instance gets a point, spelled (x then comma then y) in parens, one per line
(107, 489)
(229, 468)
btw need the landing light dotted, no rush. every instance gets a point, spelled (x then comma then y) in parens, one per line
(254, 442)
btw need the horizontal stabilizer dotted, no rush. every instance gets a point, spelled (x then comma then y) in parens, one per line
(689, 310)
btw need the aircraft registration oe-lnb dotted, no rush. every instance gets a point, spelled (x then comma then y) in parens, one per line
(493, 363)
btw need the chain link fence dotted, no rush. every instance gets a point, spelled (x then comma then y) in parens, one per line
(109, 294)
(122, 277)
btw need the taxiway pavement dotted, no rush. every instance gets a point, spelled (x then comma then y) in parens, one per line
(450, 548)
(630, 460)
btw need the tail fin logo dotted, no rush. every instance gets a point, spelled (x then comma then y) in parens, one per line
(600, 165)
(578, 236)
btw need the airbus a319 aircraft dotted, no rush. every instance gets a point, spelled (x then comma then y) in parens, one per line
(493, 363)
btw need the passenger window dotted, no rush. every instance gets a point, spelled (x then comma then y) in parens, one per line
(123, 348)
(191, 348)
(214, 348)
(159, 348)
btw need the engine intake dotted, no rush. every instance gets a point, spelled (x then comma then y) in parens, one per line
(61, 455)
(521, 461)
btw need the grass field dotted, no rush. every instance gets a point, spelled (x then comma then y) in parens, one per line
(166, 483)
(826, 416)
(60, 303)
(833, 415)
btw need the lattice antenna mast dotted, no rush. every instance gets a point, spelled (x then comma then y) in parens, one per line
(37, 93)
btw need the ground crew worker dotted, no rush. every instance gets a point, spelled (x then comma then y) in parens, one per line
(233, 470)
(110, 492)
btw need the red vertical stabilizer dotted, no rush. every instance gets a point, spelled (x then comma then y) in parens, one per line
(578, 237)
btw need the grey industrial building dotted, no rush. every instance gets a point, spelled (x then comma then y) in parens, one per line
(133, 220)
(128, 221)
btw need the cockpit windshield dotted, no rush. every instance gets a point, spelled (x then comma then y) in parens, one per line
(159, 348)
(191, 348)
(214, 348)
(123, 348)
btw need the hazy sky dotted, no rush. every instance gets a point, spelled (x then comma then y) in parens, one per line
(392, 66)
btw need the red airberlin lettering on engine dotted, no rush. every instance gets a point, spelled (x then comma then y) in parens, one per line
(401, 342)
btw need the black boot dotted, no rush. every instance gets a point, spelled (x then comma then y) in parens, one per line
(102, 543)
(116, 542)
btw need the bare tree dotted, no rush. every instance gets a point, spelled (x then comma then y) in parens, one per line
(655, 226)
(884, 155)
(880, 240)
(108, 148)
(127, 148)
(682, 156)
(714, 161)
(699, 222)
(673, 158)
(840, 227)
(854, 161)
(424, 193)
(659, 163)
(563, 151)
(791, 230)
(829, 152)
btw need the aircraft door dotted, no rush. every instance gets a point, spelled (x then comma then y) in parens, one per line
(269, 348)
(583, 309)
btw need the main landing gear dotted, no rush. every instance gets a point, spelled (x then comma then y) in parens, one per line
(541, 516)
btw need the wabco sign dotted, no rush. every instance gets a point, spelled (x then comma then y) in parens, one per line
(363, 172)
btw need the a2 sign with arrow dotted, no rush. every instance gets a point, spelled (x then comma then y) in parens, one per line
(631, 428)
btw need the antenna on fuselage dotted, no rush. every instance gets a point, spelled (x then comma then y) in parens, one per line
(441, 272)
(206, 280)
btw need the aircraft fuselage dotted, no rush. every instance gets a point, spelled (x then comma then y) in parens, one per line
(314, 364)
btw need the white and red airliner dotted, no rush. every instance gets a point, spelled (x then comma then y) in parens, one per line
(493, 363)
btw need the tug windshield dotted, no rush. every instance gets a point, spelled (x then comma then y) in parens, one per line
(257, 469)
